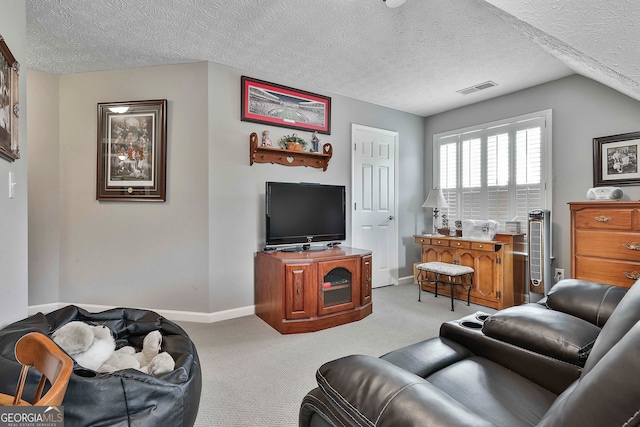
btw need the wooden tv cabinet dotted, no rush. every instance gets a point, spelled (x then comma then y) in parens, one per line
(312, 290)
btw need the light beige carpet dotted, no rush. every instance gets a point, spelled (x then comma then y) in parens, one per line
(253, 376)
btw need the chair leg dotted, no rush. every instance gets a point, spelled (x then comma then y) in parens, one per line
(420, 279)
(470, 287)
(452, 285)
(436, 283)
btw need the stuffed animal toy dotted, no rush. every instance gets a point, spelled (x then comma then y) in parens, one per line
(88, 345)
(93, 347)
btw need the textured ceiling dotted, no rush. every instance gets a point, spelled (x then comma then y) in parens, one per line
(413, 58)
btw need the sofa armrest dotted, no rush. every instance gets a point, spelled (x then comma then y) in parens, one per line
(553, 374)
(367, 391)
(549, 332)
(590, 301)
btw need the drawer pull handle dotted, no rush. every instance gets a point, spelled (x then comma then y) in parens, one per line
(603, 218)
(480, 246)
(633, 275)
(634, 246)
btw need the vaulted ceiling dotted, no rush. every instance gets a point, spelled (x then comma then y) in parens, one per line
(412, 58)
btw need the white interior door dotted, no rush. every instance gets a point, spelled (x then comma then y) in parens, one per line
(374, 225)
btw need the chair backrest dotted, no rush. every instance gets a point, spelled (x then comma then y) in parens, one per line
(38, 350)
(608, 391)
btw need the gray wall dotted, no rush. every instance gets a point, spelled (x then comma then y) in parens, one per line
(582, 110)
(13, 212)
(194, 252)
(44, 187)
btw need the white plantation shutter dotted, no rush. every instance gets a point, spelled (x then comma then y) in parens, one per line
(494, 171)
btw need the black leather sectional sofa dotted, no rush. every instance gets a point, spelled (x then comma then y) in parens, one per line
(572, 361)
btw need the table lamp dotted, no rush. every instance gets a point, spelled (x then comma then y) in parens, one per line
(435, 200)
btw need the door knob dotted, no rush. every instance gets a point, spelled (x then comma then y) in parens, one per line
(391, 217)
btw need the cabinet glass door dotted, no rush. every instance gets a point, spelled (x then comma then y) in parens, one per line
(339, 285)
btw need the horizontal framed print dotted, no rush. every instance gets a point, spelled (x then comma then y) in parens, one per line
(272, 104)
(9, 106)
(615, 160)
(132, 150)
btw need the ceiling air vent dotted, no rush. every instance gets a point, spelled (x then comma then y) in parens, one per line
(475, 88)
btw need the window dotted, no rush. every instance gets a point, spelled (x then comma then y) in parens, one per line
(498, 170)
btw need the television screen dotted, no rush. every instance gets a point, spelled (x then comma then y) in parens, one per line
(304, 213)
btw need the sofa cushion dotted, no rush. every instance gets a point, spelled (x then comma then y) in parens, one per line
(426, 357)
(374, 392)
(591, 301)
(493, 392)
(548, 332)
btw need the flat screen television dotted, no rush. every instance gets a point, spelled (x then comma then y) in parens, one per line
(304, 213)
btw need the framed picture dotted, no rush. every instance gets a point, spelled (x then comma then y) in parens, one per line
(132, 150)
(272, 104)
(615, 160)
(9, 106)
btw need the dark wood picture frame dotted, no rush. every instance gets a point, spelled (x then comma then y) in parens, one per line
(9, 105)
(276, 105)
(615, 160)
(132, 151)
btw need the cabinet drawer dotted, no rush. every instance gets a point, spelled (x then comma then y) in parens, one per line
(615, 245)
(439, 242)
(618, 273)
(423, 240)
(483, 246)
(604, 219)
(464, 244)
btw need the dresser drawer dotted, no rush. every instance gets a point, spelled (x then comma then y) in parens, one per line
(484, 246)
(604, 219)
(439, 242)
(423, 240)
(618, 273)
(463, 244)
(614, 245)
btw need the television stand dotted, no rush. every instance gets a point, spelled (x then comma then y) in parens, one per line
(309, 291)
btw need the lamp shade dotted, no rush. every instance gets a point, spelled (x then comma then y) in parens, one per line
(435, 199)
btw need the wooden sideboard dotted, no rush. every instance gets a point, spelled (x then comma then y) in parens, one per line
(605, 242)
(499, 277)
(309, 291)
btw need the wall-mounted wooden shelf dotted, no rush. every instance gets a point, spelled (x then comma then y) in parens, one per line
(288, 157)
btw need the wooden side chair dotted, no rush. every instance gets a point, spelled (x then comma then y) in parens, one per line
(37, 350)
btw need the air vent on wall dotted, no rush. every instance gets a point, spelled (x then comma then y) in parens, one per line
(476, 88)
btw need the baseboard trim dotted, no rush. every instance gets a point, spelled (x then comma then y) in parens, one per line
(407, 280)
(174, 315)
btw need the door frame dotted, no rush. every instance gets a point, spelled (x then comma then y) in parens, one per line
(396, 137)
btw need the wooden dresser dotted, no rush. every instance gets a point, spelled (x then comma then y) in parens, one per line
(499, 277)
(605, 242)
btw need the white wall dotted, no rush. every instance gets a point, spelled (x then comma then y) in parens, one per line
(195, 251)
(582, 110)
(44, 187)
(13, 212)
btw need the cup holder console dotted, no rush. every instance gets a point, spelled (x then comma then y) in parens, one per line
(473, 321)
(472, 325)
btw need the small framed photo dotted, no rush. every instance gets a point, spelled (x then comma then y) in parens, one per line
(9, 106)
(132, 150)
(272, 104)
(615, 160)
